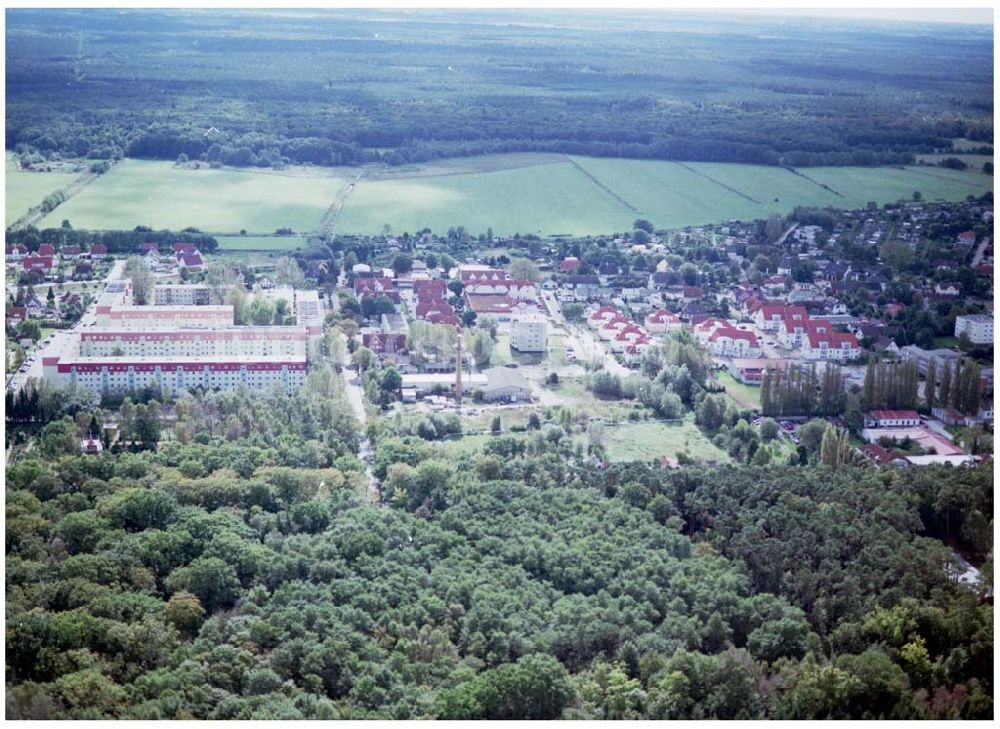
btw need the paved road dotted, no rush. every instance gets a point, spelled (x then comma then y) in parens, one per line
(356, 397)
(977, 258)
(584, 342)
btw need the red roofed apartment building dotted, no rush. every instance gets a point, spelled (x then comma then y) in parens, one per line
(769, 317)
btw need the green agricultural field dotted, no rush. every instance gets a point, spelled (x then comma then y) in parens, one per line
(260, 243)
(26, 189)
(585, 195)
(542, 199)
(160, 195)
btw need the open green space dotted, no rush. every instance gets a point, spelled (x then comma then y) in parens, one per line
(24, 189)
(261, 243)
(646, 440)
(161, 195)
(586, 195)
(748, 393)
(508, 193)
(542, 199)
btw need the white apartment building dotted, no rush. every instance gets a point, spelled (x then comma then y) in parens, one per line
(137, 318)
(247, 341)
(978, 327)
(103, 375)
(529, 331)
(181, 295)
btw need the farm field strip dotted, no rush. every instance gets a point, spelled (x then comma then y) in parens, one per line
(157, 194)
(25, 189)
(524, 193)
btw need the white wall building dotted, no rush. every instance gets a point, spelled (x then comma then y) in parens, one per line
(181, 295)
(529, 331)
(103, 375)
(136, 318)
(978, 327)
(231, 341)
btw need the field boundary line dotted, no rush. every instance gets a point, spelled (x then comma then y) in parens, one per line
(941, 177)
(337, 206)
(35, 214)
(718, 182)
(804, 176)
(604, 187)
(382, 174)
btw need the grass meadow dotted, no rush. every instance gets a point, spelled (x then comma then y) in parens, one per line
(25, 189)
(261, 243)
(517, 193)
(160, 195)
(586, 195)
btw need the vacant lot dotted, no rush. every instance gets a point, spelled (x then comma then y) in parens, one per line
(160, 195)
(26, 189)
(651, 439)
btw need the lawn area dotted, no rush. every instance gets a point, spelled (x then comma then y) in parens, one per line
(744, 392)
(644, 441)
(945, 342)
(25, 189)
(502, 354)
(261, 243)
(160, 195)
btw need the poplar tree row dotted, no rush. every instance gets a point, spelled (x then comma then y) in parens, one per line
(800, 390)
(890, 386)
(959, 387)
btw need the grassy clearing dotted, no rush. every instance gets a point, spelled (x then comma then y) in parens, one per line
(261, 243)
(160, 195)
(647, 440)
(747, 393)
(945, 342)
(26, 189)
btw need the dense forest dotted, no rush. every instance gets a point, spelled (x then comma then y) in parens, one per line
(340, 87)
(241, 570)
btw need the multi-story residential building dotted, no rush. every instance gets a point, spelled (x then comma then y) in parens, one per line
(662, 321)
(251, 341)
(822, 343)
(977, 327)
(529, 331)
(769, 317)
(135, 318)
(181, 295)
(728, 341)
(126, 374)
